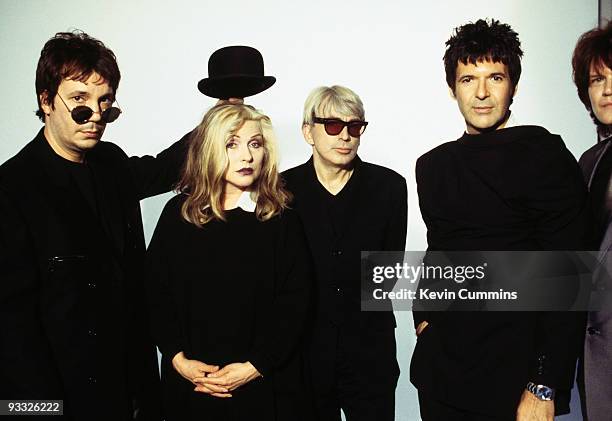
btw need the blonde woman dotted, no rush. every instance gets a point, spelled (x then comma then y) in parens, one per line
(229, 274)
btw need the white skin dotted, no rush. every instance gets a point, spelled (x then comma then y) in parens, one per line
(483, 92)
(245, 152)
(600, 93)
(67, 138)
(332, 155)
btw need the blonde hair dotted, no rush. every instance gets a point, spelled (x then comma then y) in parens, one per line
(324, 100)
(203, 176)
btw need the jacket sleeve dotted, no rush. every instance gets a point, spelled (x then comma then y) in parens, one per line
(559, 201)
(28, 369)
(155, 175)
(395, 237)
(283, 326)
(161, 291)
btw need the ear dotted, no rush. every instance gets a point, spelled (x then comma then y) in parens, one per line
(515, 90)
(451, 93)
(44, 102)
(306, 128)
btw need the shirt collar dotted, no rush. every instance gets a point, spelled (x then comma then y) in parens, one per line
(246, 202)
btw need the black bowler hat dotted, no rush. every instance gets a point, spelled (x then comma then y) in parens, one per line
(235, 72)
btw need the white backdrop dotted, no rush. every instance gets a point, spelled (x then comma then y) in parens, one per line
(389, 52)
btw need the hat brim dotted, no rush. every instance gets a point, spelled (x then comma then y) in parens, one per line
(235, 86)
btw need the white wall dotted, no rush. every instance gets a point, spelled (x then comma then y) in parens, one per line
(389, 52)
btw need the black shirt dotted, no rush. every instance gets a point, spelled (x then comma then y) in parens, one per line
(338, 206)
(368, 214)
(83, 177)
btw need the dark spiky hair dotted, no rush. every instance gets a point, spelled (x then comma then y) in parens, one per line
(483, 40)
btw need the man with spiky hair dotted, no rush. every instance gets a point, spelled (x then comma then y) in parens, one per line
(497, 187)
(592, 70)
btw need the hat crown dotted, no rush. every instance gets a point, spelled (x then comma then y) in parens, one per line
(235, 60)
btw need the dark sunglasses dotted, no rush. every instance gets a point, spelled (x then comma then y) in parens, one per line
(334, 126)
(82, 113)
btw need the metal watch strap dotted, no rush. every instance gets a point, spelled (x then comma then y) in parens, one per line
(543, 393)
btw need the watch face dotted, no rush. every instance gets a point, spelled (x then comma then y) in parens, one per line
(546, 393)
(541, 392)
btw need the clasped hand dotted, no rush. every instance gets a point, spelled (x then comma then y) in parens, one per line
(210, 379)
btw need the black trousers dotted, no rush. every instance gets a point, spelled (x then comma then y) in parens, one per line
(353, 370)
(433, 410)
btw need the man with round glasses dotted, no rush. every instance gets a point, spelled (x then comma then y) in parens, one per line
(347, 206)
(72, 305)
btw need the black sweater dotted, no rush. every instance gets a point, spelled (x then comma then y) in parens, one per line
(231, 291)
(512, 189)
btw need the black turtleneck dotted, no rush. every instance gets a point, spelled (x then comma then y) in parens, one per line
(512, 189)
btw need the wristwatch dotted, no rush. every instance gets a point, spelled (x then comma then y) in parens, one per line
(543, 393)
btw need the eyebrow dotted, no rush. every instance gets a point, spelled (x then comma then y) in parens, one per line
(108, 95)
(489, 75)
(82, 93)
(235, 136)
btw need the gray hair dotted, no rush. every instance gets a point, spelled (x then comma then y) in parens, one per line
(324, 100)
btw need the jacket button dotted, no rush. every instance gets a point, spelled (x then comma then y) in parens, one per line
(92, 380)
(91, 285)
(593, 331)
(91, 332)
(336, 252)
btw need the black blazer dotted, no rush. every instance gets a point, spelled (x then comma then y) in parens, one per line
(72, 308)
(597, 361)
(377, 221)
(517, 188)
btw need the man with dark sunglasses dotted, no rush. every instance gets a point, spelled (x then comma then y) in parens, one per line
(498, 187)
(347, 206)
(73, 319)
